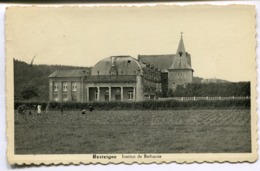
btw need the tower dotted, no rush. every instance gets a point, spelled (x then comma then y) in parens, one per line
(180, 72)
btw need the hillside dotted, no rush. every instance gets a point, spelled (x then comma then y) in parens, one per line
(35, 77)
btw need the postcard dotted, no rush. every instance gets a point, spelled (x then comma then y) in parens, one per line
(128, 84)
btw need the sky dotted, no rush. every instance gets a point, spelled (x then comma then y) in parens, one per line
(221, 40)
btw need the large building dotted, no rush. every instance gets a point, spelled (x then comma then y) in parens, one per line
(123, 78)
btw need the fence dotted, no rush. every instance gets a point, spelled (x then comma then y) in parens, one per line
(203, 98)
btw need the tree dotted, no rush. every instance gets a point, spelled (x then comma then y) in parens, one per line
(29, 91)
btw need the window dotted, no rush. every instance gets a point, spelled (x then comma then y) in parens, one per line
(96, 95)
(173, 85)
(129, 61)
(97, 72)
(65, 97)
(180, 53)
(55, 97)
(65, 87)
(74, 87)
(130, 95)
(74, 97)
(56, 87)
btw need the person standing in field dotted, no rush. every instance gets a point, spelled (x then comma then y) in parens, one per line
(39, 110)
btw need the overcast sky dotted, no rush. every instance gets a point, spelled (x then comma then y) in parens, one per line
(220, 39)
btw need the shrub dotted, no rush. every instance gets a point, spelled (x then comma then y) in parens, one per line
(144, 105)
(211, 90)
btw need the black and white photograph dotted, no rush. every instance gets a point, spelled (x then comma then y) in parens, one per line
(131, 84)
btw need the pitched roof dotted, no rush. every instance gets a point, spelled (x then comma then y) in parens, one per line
(180, 61)
(163, 62)
(67, 73)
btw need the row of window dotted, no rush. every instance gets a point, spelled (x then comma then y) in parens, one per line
(130, 94)
(65, 87)
(65, 97)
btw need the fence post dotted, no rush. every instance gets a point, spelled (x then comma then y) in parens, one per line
(207, 98)
(233, 97)
(194, 98)
(181, 98)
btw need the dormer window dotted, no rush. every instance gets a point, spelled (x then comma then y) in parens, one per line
(180, 53)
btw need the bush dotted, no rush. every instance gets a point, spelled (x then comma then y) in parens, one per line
(211, 90)
(144, 105)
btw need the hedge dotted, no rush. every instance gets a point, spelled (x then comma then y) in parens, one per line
(144, 105)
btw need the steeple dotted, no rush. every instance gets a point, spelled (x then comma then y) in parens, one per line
(180, 60)
(181, 49)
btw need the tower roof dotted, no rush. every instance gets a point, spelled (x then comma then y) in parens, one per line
(180, 61)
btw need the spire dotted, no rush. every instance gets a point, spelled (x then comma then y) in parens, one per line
(181, 49)
(180, 60)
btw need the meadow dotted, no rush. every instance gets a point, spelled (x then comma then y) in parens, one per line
(134, 131)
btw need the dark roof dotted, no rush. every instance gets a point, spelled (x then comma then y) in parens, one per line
(163, 62)
(67, 73)
(181, 61)
(125, 65)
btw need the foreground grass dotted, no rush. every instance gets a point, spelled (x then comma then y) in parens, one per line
(178, 131)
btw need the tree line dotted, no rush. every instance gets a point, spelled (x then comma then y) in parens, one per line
(227, 89)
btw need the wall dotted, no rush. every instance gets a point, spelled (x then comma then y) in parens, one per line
(180, 76)
(60, 93)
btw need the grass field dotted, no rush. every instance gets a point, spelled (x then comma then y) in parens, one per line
(148, 131)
